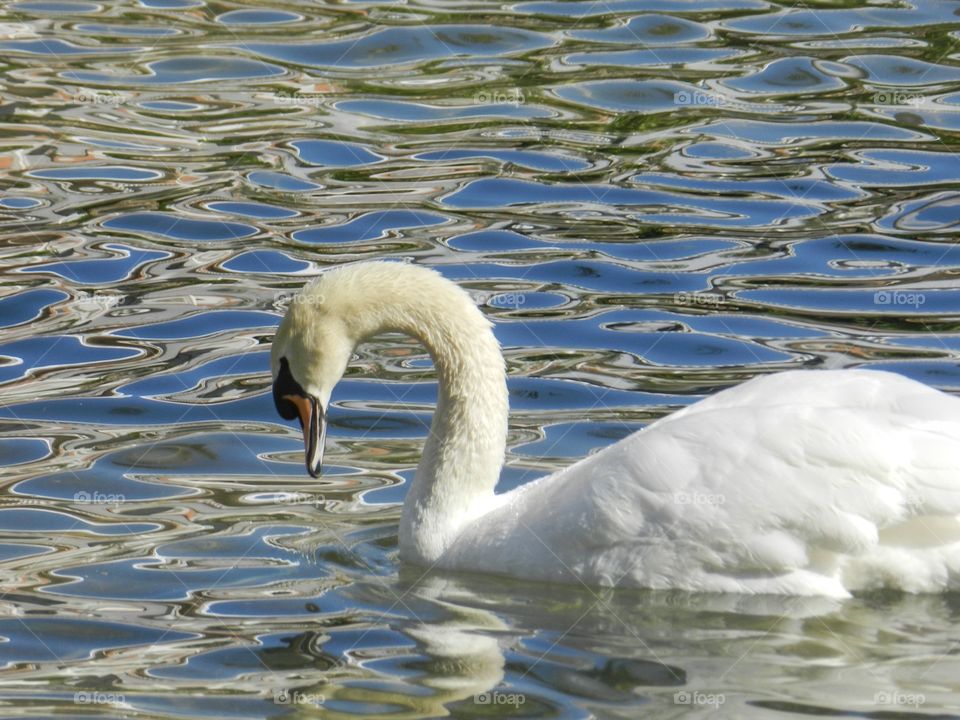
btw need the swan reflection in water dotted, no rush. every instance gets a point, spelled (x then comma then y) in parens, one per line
(466, 640)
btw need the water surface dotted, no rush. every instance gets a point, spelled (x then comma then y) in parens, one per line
(653, 199)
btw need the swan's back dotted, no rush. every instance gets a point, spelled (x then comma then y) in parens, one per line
(805, 482)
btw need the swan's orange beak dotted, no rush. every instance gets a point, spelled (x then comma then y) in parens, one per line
(293, 401)
(313, 420)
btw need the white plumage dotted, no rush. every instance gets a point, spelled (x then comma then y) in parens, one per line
(803, 482)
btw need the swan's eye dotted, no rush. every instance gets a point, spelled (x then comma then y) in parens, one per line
(286, 385)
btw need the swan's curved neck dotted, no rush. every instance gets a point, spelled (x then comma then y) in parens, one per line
(464, 451)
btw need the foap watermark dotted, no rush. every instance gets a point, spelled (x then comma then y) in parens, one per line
(97, 300)
(915, 501)
(499, 97)
(693, 697)
(698, 98)
(286, 298)
(298, 99)
(92, 97)
(55, 248)
(899, 298)
(898, 98)
(698, 498)
(85, 497)
(96, 697)
(502, 299)
(316, 500)
(698, 299)
(495, 697)
(897, 697)
(295, 697)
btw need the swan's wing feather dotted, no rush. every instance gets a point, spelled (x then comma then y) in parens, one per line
(863, 390)
(775, 486)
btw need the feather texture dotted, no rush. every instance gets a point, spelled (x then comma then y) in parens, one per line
(803, 482)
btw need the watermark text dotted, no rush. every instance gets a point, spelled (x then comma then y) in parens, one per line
(899, 298)
(499, 698)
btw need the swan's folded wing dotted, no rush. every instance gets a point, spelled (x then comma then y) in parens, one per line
(864, 390)
(755, 494)
(788, 484)
(743, 497)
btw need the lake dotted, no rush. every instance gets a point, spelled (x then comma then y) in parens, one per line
(652, 199)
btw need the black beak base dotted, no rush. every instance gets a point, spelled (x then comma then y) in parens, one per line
(284, 386)
(292, 401)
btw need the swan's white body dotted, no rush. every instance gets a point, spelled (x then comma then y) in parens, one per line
(803, 482)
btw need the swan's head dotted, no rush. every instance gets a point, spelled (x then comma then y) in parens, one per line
(309, 356)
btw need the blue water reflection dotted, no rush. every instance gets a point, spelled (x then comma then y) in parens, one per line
(650, 201)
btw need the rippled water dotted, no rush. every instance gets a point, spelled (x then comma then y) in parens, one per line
(654, 199)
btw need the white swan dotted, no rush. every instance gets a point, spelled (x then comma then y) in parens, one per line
(803, 482)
